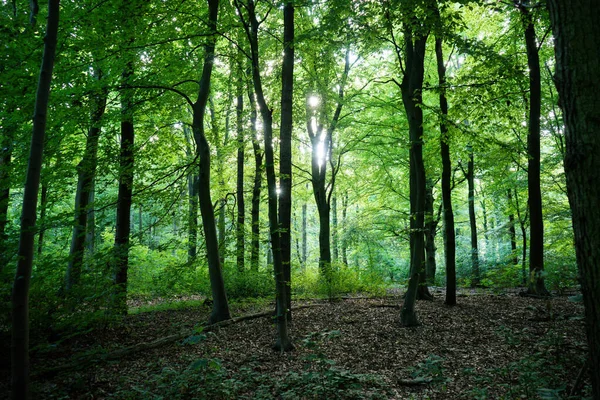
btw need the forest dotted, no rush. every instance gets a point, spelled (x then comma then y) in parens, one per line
(298, 199)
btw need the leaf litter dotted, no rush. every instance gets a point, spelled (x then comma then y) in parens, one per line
(487, 346)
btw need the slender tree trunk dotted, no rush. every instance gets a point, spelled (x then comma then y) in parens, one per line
(412, 86)
(86, 173)
(577, 40)
(90, 235)
(256, 188)
(344, 223)
(124, 197)
(193, 183)
(285, 151)
(43, 210)
(536, 221)
(475, 273)
(430, 230)
(513, 234)
(251, 24)
(334, 234)
(486, 235)
(6, 148)
(241, 205)
(448, 214)
(220, 311)
(522, 224)
(20, 291)
(304, 236)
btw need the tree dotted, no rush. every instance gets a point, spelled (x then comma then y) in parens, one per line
(86, 173)
(577, 39)
(536, 222)
(247, 15)
(220, 311)
(20, 292)
(448, 213)
(470, 176)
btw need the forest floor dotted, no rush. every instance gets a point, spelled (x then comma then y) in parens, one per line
(490, 345)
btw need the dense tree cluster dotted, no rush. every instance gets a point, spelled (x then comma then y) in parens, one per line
(373, 134)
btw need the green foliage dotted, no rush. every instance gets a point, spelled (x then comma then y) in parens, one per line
(344, 280)
(430, 370)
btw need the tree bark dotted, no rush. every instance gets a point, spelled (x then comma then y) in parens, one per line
(256, 187)
(334, 233)
(285, 151)
(344, 223)
(430, 230)
(448, 213)
(577, 40)
(412, 87)
(241, 205)
(536, 221)
(513, 235)
(475, 273)
(193, 187)
(20, 290)
(220, 309)
(124, 197)
(86, 173)
(251, 25)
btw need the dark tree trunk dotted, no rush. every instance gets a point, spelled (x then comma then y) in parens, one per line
(523, 225)
(285, 151)
(475, 274)
(486, 235)
(20, 291)
(513, 234)
(241, 205)
(86, 173)
(256, 188)
(448, 213)
(430, 230)
(412, 87)
(220, 311)
(90, 235)
(577, 40)
(334, 235)
(536, 222)
(6, 148)
(251, 25)
(321, 190)
(344, 223)
(123, 225)
(193, 183)
(43, 210)
(304, 235)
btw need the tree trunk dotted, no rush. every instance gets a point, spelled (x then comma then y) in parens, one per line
(513, 235)
(536, 222)
(334, 234)
(430, 229)
(344, 223)
(90, 235)
(285, 151)
(522, 224)
(283, 342)
(220, 309)
(86, 173)
(256, 188)
(123, 225)
(577, 40)
(475, 274)
(241, 205)
(20, 291)
(304, 236)
(448, 214)
(193, 183)
(42, 224)
(412, 87)
(6, 148)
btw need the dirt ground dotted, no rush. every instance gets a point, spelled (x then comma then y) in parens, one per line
(488, 346)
